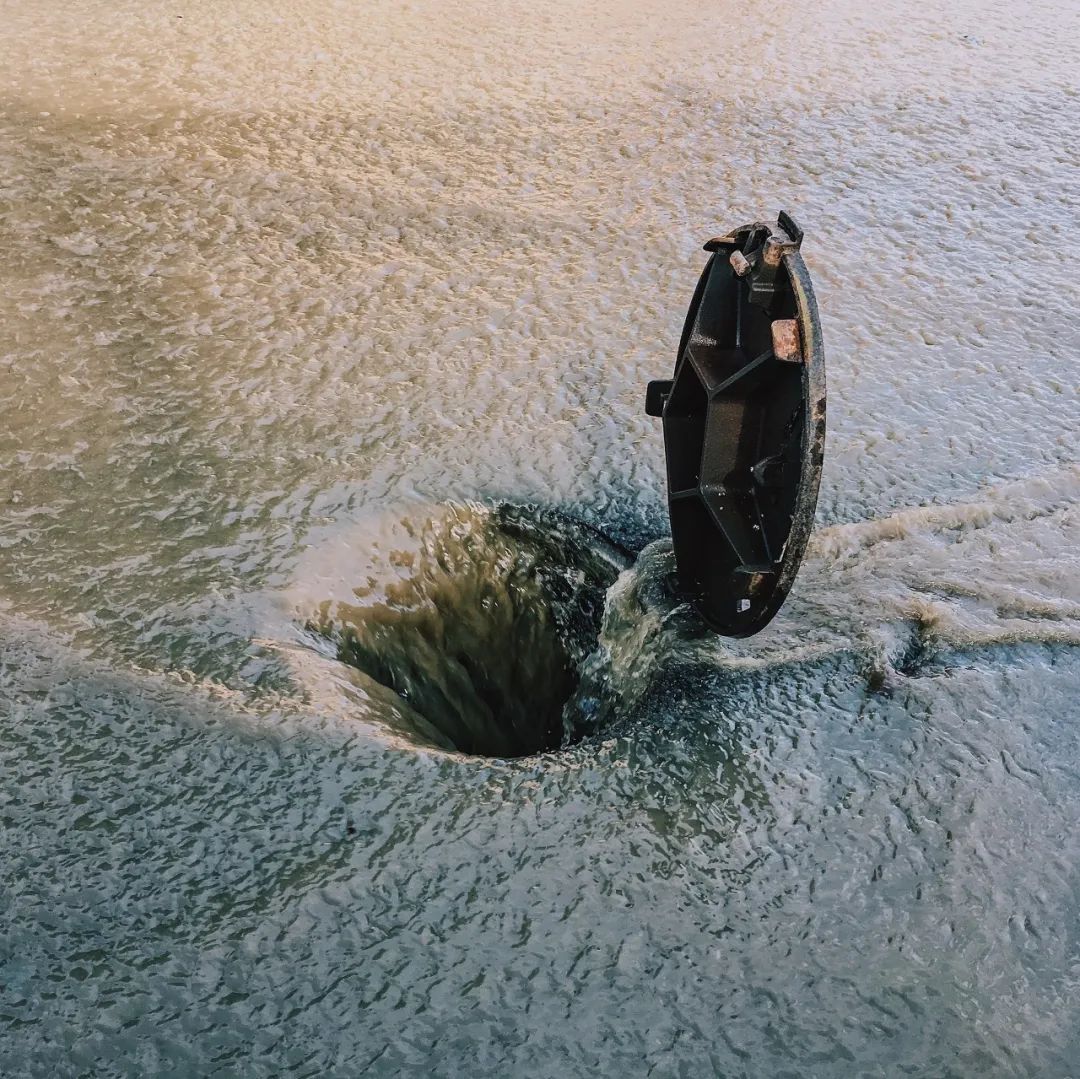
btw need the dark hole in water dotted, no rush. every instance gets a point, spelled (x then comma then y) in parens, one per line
(487, 637)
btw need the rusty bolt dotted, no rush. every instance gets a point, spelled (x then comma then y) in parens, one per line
(773, 251)
(739, 263)
(786, 345)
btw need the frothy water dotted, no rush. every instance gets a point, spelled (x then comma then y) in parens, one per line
(339, 733)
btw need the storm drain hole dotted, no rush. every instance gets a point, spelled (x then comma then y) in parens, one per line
(485, 631)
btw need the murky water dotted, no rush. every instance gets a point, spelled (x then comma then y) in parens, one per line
(324, 331)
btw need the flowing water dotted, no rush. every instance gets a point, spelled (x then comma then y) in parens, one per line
(347, 723)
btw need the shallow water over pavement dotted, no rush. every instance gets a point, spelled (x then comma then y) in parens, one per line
(299, 308)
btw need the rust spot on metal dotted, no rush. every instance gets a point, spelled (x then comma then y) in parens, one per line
(739, 263)
(773, 251)
(786, 344)
(758, 581)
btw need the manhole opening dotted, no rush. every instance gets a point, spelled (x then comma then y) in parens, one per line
(486, 635)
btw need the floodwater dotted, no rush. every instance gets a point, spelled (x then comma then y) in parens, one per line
(324, 333)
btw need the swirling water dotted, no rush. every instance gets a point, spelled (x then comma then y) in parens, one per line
(324, 331)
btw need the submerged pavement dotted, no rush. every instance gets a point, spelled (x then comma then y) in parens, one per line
(283, 288)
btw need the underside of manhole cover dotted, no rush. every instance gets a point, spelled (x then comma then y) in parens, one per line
(744, 428)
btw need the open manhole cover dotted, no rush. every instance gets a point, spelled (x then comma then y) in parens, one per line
(744, 428)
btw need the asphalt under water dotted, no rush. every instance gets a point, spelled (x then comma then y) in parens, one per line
(324, 332)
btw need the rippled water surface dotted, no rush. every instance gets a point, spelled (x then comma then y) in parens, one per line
(324, 331)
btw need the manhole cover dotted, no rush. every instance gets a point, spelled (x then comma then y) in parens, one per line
(744, 428)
